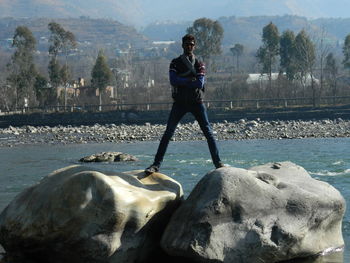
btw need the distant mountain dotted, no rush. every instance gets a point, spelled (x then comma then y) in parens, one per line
(98, 32)
(125, 11)
(243, 30)
(143, 12)
(248, 30)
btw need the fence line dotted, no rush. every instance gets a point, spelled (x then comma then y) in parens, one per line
(214, 104)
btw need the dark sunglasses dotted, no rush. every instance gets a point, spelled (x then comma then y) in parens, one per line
(189, 44)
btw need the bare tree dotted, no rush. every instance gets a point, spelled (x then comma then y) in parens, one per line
(237, 51)
(331, 74)
(346, 52)
(322, 51)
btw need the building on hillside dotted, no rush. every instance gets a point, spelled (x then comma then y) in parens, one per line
(66, 89)
(120, 52)
(122, 77)
(155, 49)
(263, 79)
(72, 89)
(258, 78)
(162, 46)
(79, 88)
(110, 91)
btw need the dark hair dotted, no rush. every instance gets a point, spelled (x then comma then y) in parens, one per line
(188, 37)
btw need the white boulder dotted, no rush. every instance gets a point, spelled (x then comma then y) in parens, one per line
(79, 214)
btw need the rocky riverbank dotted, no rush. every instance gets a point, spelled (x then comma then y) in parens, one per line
(239, 130)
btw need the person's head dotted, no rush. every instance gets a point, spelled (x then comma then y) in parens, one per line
(188, 44)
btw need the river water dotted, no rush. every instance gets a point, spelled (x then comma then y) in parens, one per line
(186, 162)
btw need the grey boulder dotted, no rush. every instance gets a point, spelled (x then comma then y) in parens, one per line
(109, 157)
(268, 213)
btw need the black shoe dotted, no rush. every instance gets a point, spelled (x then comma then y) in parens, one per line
(219, 165)
(152, 169)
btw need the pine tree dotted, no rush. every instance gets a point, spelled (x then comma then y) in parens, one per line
(287, 54)
(101, 75)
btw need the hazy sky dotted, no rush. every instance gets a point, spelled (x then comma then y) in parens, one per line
(180, 10)
(142, 12)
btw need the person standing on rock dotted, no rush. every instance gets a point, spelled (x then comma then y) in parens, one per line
(187, 77)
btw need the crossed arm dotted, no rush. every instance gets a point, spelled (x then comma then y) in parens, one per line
(189, 82)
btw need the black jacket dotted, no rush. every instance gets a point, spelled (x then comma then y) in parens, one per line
(188, 85)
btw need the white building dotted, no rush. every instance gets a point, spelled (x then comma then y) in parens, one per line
(258, 78)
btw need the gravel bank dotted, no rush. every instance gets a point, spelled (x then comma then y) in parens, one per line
(240, 130)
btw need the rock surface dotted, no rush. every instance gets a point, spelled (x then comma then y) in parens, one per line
(238, 130)
(77, 214)
(109, 157)
(268, 213)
